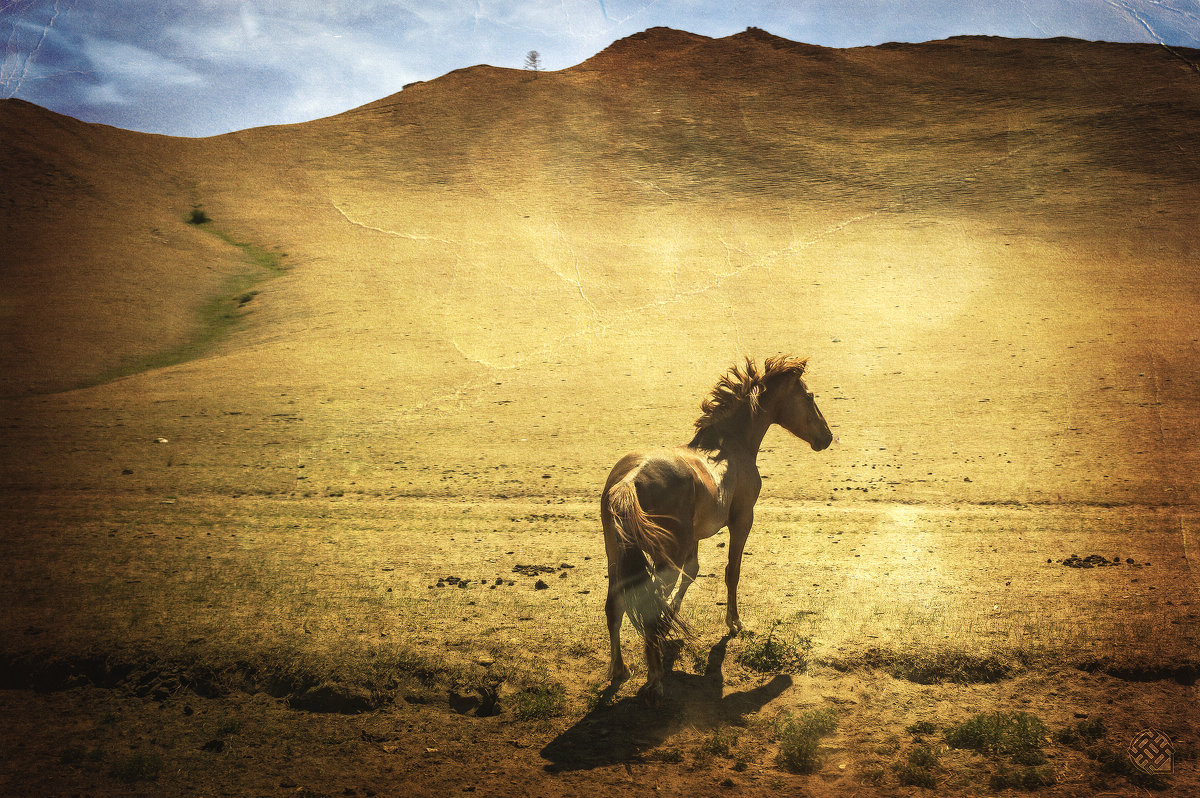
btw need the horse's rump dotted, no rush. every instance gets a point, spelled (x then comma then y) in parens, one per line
(645, 549)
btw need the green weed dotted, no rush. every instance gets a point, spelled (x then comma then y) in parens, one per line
(1118, 763)
(721, 742)
(1082, 734)
(540, 701)
(918, 769)
(1017, 735)
(671, 756)
(772, 655)
(800, 739)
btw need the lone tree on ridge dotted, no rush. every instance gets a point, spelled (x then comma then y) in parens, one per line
(533, 61)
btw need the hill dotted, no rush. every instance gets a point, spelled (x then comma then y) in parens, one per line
(983, 232)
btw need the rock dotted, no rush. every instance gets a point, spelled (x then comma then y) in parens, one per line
(540, 585)
(533, 570)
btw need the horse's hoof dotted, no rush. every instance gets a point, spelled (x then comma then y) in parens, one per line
(735, 627)
(651, 694)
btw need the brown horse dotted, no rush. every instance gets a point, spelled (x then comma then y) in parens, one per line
(658, 505)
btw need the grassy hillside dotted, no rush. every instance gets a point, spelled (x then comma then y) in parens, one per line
(986, 245)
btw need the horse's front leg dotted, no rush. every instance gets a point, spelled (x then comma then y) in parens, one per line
(739, 530)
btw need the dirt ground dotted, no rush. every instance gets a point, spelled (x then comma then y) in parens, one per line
(248, 466)
(338, 578)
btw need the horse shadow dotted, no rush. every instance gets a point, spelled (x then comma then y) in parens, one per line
(617, 732)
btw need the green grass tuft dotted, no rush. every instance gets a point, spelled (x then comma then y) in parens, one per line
(1118, 763)
(1017, 735)
(721, 742)
(540, 701)
(672, 756)
(1082, 734)
(800, 739)
(918, 769)
(773, 655)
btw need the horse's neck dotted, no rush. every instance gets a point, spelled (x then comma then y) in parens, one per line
(739, 438)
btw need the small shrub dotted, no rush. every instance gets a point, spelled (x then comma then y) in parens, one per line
(721, 742)
(671, 756)
(1082, 734)
(800, 739)
(229, 727)
(772, 655)
(918, 770)
(1017, 735)
(1118, 763)
(921, 727)
(923, 757)
(540, 702)
(138, 767)
(915, 776)
(198, 216)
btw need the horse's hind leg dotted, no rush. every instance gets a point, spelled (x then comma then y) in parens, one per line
(614, 611)
(691, 567)
(652, 691)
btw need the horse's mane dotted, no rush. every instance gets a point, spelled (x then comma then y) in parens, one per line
(741, 388)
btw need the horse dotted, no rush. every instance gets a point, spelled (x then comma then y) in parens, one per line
(657, 505)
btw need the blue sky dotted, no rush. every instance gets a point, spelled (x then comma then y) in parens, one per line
(201, 67)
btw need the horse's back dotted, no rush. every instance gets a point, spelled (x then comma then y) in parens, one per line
(665, 481)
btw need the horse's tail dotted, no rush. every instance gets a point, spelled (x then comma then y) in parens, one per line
(642, 543)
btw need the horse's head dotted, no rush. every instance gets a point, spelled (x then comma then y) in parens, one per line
(796, 410)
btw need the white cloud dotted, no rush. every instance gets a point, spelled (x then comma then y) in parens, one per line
(104, 94)
(126, 63)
